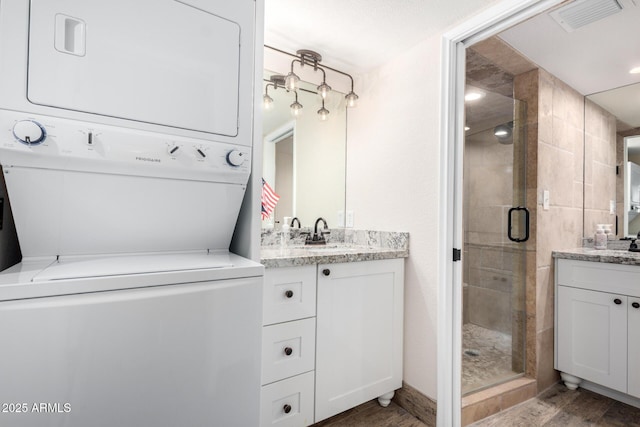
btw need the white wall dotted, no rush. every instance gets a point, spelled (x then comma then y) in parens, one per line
(393, 167)
(393, 184)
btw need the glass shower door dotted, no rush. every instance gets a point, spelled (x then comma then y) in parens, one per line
(496, 225)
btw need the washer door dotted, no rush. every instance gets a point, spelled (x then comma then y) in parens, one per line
(166, 356)
(154, 61)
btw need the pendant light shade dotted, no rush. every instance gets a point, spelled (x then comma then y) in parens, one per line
(323, 113)
(352, 99)
(267, 102)
(292, 81)
(323, 90)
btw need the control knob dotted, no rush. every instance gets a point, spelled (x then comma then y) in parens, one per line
(200, 154)
(174, 150)
(29, 132)
(236, 157)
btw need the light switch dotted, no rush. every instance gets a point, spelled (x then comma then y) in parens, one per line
(340, 219)
(349, 219)
(612, 207)
(545, 200)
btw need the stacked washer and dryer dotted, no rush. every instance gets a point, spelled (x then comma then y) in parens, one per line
(126, 149)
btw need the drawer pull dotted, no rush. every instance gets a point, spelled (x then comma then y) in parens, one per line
(288, 351)
(288, 293)
(635, 305)
(286, 408)
(326, 272)
(617, 301)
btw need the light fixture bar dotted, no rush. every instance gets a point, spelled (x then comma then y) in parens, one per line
(313, 58)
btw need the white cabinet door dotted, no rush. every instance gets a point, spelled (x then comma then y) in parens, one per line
(592, 336)
(359, 333)
(634, 347)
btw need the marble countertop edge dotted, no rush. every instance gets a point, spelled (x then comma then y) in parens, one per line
(610, 256)
(308, 255)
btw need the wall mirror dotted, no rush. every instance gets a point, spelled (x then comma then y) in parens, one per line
(304, 157)
(626, 194)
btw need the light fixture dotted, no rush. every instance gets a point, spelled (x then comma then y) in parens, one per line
(267, 101)
(503, 133)
(275, 81)
(291, 82)
(634, 70)
(296, 107)
(473, 96)
(323, 113)
(352, 98)
(466, 128)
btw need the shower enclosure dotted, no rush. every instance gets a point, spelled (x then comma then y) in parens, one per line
(495, 229)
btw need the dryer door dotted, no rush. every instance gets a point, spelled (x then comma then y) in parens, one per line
(154, 61)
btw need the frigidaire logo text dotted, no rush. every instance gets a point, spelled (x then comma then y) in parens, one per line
(148, 159)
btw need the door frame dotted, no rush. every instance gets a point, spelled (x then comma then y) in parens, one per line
(493, 20)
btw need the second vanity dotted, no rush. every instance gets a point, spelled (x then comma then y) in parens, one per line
(598, 321)
(332, 328)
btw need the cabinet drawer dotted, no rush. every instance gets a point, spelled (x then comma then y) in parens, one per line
(288, 403)
(288, 349)
(599, 276)
(289, 294)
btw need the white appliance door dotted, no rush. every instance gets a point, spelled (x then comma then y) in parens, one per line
(154, 61)
(180, 355)
(77, 213)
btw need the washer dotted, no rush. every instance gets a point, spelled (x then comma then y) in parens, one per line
(126, 145)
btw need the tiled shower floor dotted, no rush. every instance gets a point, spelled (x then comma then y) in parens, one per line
(486, 358)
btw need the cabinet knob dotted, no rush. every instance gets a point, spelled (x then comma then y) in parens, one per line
(286, 408)
(635, 305)
(617, 301)
(288, 293)
(326, 272)
(288, 351)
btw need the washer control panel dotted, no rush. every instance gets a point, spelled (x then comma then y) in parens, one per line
(41, 141)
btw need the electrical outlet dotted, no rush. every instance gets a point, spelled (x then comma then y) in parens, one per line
(340, 219)
(612, 207)
(349, 219)
(545, 200)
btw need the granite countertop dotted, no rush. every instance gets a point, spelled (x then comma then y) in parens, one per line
(289, 256)
(347, 246)
(611, 256)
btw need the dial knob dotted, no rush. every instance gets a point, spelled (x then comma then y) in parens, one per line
(174, 150)
(235, 157)
(29, 132)
(200, 154)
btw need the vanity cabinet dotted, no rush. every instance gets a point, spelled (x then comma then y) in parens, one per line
(598, 324)
(332, 339)
(359, 334)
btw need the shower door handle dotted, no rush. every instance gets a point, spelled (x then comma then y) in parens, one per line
(526, 224)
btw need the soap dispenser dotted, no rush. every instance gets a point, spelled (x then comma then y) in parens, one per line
(600, 238)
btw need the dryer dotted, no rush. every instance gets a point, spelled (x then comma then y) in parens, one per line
(126, 148)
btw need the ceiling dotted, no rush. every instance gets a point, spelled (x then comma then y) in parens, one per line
(591, 59)
(357, 36)
(594, 59)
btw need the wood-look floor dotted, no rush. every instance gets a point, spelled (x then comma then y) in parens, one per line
(557, 406)
(371, 414)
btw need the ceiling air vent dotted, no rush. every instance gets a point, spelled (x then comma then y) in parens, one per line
(583, 12)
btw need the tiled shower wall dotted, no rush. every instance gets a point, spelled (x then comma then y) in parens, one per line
(574, 170)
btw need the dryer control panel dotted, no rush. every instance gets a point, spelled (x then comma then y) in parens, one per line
(54, 143)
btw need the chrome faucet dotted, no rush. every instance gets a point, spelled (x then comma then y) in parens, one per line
(318, 238)
(295, 219)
